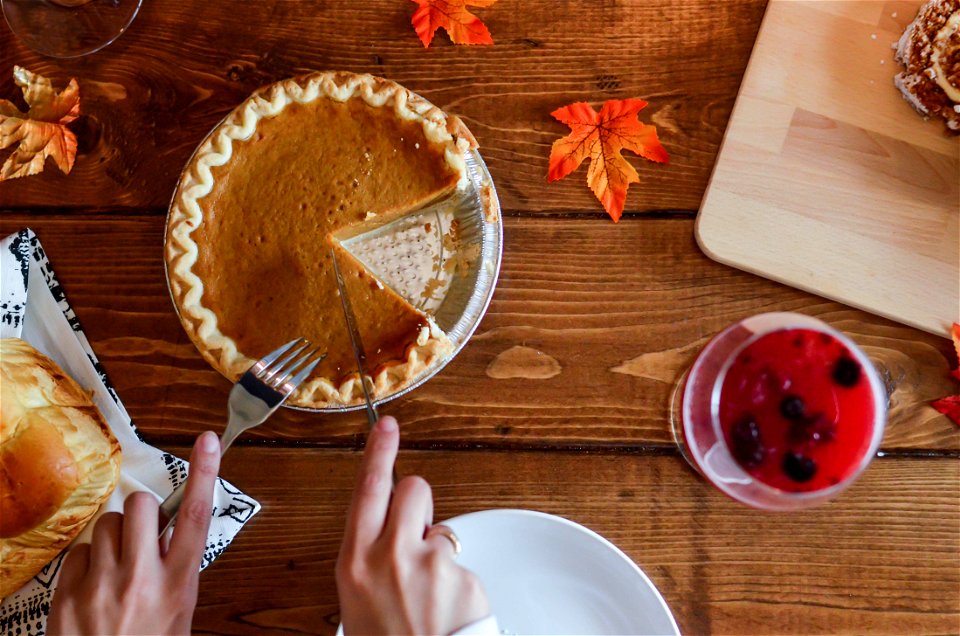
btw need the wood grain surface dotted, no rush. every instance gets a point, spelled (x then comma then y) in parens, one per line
(883, 558)
(858, 204)
(560, 400)
(149, 99)
(588, 330)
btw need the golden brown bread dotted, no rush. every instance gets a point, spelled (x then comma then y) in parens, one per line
(58, 462)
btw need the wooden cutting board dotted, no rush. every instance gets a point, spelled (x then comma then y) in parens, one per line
(827, 179)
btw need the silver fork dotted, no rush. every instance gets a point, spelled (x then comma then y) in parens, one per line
(255, 396)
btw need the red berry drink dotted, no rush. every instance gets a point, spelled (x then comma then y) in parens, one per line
(781, 411)
(796, 410)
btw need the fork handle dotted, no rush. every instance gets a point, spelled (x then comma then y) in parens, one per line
(171, 505)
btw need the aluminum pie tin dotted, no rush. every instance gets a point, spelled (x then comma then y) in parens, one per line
(464, 302)
(466, 293)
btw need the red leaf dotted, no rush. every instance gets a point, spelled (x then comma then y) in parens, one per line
(462, 26)
(601, 136)
(949, 406)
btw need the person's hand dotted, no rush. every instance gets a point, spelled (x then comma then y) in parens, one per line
(390, 578)
(124, 582)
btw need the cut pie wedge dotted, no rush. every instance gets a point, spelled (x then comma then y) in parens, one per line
(294, 169)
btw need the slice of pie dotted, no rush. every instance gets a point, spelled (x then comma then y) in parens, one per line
(261, 204)
(929, 51)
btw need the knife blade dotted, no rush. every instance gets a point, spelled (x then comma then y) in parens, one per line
(358, 351)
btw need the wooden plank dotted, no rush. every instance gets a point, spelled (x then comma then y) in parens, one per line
(811, 189)
(883, 558)
(149, 99)
(590, 326)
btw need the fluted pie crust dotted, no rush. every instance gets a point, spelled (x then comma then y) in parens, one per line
(260, 205)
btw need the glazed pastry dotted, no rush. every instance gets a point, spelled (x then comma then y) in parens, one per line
(59, 462)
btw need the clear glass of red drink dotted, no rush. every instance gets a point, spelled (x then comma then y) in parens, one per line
(780, 411)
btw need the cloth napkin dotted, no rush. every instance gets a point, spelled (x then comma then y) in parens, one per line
(33, 307)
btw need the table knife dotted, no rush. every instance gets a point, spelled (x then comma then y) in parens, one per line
(358, 351)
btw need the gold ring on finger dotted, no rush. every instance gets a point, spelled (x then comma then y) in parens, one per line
(444, 531)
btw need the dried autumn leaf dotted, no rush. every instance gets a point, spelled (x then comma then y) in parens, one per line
(601, 136)
(955, 334)
(949, 406)
(462, 26)
(42, 131)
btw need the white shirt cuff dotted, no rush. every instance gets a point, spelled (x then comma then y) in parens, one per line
(484, 627)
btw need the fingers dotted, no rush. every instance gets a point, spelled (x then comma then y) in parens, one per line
(442, 539)
(140, 513)
(105, 545)
(371, 495)
(473, 602)
(69, 591)
(411, 512)
(75, 566)
(193, 521)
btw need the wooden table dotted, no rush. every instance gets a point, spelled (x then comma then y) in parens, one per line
(559, 402)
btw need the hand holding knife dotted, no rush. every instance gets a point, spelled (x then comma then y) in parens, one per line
(358, 351)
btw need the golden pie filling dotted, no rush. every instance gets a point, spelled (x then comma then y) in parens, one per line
(259, 209)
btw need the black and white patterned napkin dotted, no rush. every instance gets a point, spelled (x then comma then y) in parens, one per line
(33, 307)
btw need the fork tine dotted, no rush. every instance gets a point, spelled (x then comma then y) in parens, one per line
(295, 381)
(284, 377)
(269, 359)
(277, 368)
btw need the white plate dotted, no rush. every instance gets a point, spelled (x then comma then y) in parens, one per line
(547, 575)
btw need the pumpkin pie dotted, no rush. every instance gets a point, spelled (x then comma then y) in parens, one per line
(259, 210)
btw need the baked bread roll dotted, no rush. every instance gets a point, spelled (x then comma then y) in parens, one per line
(58, 462)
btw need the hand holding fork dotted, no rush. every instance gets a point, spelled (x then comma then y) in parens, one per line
(255, 396)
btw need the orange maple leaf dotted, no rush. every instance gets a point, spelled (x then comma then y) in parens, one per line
(955, 334)
(950, 405)
(462, 26)
(601, 136)
(42, 131)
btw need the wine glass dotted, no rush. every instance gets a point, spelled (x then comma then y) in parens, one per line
(780, 411)
(68, 28)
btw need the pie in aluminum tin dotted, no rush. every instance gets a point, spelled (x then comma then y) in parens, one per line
(430, 347)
